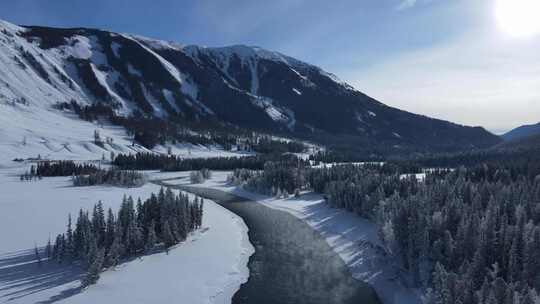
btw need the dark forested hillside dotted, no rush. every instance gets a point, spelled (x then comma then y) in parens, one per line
(522, 132)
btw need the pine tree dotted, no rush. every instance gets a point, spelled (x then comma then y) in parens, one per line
(200, 213)
(59, 248)
(115, 251)
(98, 223)
(151, 239)
(92, 251)
(95, 268)
(38, 257)
(110, 229)
(167, 237)
(69, 245)
(97, 138)
(48, 249)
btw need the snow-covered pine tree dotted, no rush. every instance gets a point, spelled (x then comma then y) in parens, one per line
(167, 237)
(95, 268)
(151, 239)
(48, 249)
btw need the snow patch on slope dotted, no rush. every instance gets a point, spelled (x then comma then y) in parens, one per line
(254, 77)
(186, 86)
(103, 80)
(78, 47)
(170, 99)
(277, 114)
(116, 49)
(156, 107)
(10, 27)
(132, 70)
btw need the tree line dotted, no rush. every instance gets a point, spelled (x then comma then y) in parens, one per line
(59, 168)
(111, 176)
(519, 162)
(265, 144)
(100, 240)
(152, 161)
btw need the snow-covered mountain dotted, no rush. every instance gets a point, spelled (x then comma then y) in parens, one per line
(240, 85)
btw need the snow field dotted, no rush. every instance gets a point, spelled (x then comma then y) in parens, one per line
(207, 268)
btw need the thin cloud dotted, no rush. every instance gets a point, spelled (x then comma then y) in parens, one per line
(405, 4)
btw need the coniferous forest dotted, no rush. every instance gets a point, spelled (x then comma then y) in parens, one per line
(151, 161)
(58, 168)
(100, 239)
(112, 176)
(469, 235)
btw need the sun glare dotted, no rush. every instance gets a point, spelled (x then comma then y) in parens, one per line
(520, 18)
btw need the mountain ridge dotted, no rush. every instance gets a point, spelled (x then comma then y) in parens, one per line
(522, 132)
(244, 86)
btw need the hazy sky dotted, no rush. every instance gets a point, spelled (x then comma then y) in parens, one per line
(448, 59)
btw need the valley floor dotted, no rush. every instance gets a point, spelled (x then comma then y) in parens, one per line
(207, 268)
(203, 269)
(354, 239)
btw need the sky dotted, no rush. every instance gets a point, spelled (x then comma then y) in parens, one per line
(449, 59)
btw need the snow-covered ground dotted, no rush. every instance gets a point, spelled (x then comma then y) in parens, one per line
(204, 269)
(355, 239)
(26, 132)
(330, 165)
(418, 176)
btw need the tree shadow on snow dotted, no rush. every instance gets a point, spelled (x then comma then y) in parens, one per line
(21, 276)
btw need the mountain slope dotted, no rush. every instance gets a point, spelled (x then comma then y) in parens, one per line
(527, 143)
(522, 132)
(248, 87)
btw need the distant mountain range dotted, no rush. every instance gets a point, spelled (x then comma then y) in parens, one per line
(522, 132)
(248, 87)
